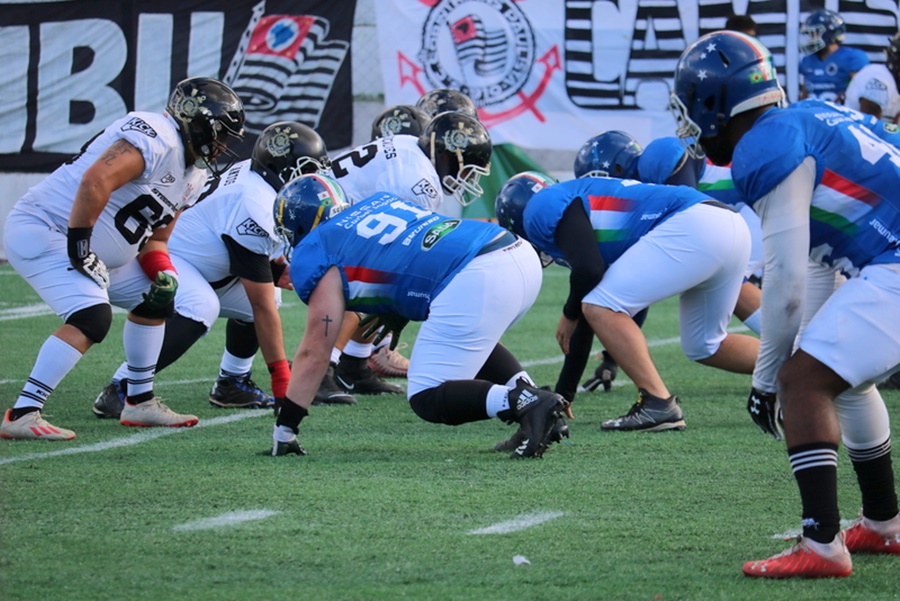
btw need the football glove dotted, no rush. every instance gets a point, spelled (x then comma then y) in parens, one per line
(765, 412)
(159, 300)
(83, 259)
(383, 325)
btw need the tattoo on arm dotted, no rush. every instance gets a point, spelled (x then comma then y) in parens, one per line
(118, 148)
(327, 321)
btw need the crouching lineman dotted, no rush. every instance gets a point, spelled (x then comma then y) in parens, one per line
(467, 281)
(96, 229)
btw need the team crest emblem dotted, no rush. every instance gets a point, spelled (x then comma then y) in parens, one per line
(485, 49)
(279, 145)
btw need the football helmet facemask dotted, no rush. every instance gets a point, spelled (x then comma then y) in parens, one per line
(303, 204)
(722, 74)
(400, 119)
(441, 100)
(821, 29)
(208, 114)
(613, 153)
(460, 150)
(286, 150)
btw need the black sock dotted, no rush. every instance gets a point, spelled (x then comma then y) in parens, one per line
(815, 468)
(15, 414)
(875, 474)
(290, 414)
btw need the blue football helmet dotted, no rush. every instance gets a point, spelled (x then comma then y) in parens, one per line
(613, 153)
(821, 28)
(304, 203)
(509, 207)
(722, 74)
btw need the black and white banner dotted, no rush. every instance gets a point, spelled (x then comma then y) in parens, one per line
(550, 74)
(70, 68)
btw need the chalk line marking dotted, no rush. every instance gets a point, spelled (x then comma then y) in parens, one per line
(232, 518)
(526, 520)
(140, 437)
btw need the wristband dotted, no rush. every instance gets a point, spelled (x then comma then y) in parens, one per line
(155, 261)
(79, 242)
(280, 371)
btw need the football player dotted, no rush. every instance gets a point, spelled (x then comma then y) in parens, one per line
(95, 231)
(828, 65)
(874, 89)
(629, 245)
(467, 281)
(827, 190)
(449, 157)
(230, 260)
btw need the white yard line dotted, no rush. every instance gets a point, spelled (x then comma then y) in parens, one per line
(231, 518)
(526, 520)
(138, 438)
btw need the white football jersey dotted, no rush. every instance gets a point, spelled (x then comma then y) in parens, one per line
(239, 206)
(876, 84)
(140, 206)
(392, 164)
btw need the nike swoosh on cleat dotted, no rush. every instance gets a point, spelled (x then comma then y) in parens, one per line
(344, 384)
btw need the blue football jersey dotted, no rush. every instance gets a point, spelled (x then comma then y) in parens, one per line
(889, 132)
(827, 79)
(394, 256)
(621, 211)
(855, 211)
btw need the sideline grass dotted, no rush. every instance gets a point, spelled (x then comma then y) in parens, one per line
(383, 506)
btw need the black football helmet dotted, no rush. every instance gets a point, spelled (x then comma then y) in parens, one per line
(441, 100)
(287, 149)
(303, 204)
(892, 61)
(613, 153)
(400, 119)
(460, 150)
(208, 113)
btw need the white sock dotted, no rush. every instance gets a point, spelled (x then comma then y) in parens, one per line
(235, 366)
(283, 434)
(522, 375)
(335, 355)
(142, 346)
(497, 400)
(383, 343)
(55, 359)
(754, 321)
(121, 373)
(360, 350)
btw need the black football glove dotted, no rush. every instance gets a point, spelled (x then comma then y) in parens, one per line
(765, 412)
(83, 259)
(384, 325)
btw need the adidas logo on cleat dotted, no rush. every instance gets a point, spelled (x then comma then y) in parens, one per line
(525, 398)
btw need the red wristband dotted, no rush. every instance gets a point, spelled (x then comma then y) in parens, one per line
(281, 375)
(155, 261)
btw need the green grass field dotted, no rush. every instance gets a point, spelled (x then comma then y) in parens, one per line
(387, 506)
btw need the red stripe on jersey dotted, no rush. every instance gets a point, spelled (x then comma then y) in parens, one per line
(844, 186)
(609, 203)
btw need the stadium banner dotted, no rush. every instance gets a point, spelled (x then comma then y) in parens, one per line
(71, 68)
(551, 74)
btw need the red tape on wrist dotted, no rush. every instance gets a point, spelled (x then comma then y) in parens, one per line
(281, 375)
(155, 261)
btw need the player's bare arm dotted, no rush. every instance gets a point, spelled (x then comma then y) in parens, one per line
(118, 165)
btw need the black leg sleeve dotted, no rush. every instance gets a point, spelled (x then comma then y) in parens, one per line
(453, 403)
(576, 360)
(500, 366)
(181, 334)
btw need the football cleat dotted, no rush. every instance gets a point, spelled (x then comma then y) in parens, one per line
(560, 430)
(154, 413)
(604, 375)
(806, 559)
(862, 537)
(649, 414)
(354, 375)
(238, 392)
(31, 426)
(109, 403)
(537, 411)
(389, 363)
(329, 393)
(280, 449)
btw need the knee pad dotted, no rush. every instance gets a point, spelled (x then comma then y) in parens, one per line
(94, 322)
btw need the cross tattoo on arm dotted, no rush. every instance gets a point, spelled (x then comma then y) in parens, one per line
(327, 321)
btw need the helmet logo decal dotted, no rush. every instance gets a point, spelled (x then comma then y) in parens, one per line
(187, 107)
(457, 139)
(279, 144)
